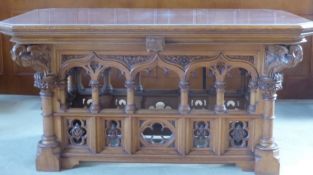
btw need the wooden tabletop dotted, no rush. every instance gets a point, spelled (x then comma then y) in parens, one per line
(78, 21)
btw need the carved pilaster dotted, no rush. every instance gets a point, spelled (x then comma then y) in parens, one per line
(184, 107)
(130, 106)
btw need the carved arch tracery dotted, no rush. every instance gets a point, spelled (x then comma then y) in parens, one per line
(220, 65)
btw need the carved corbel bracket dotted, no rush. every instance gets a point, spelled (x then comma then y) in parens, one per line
(36, 56)
(278, 58)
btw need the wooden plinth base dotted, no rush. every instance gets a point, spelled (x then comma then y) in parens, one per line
(48, 158)
(267, 161)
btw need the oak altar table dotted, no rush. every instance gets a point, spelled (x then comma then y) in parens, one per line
(75, 53)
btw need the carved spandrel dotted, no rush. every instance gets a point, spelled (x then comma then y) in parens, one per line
(71, 57)
(249, 59)
(36, 56)
(183, 61)
(129, 61)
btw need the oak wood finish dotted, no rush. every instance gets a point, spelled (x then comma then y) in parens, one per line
(14, 76)
(94, 120)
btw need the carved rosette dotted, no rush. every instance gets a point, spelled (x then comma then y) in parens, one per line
(154, 44)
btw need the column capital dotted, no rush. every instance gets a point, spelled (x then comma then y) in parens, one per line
(130, 84)
(269, 85)
(253, 84)
(44, 82)
(183, 84)
(94, 83)
(219, 85)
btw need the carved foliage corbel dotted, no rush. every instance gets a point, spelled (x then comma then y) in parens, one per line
(39, 58)
(278, 58)
(36, 56)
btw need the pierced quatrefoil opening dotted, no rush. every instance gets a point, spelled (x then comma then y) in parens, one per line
(157, 134)
(201, 134)
(77, 133)
(113, 133)
(238, 134)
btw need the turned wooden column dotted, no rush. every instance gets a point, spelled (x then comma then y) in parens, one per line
(220, 90)
(253, 89)
(62, 87)
(184, 107)
(48, 147)
(71, 79)
(278, 58)
(268, 87)
(95, 106)
(45, 83)
(107, 86)
(139, 86)
(130, 106)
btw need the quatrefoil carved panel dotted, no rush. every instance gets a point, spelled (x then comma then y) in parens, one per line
(157, 133)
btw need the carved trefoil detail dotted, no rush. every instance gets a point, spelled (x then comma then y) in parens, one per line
(77, 132)
(238, 134)
(157, 133)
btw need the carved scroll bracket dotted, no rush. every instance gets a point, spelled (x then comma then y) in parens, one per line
(36, 56)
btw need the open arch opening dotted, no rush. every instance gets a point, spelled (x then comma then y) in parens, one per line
(202, 92)
(157, 89)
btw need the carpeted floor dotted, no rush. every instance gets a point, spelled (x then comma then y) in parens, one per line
(20, 130)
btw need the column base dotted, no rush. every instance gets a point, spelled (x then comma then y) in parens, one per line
(94, 109)
(48, 157)
(184, 109)
(266, 161)
(251, 108)
(130, 109)
(220, 109)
